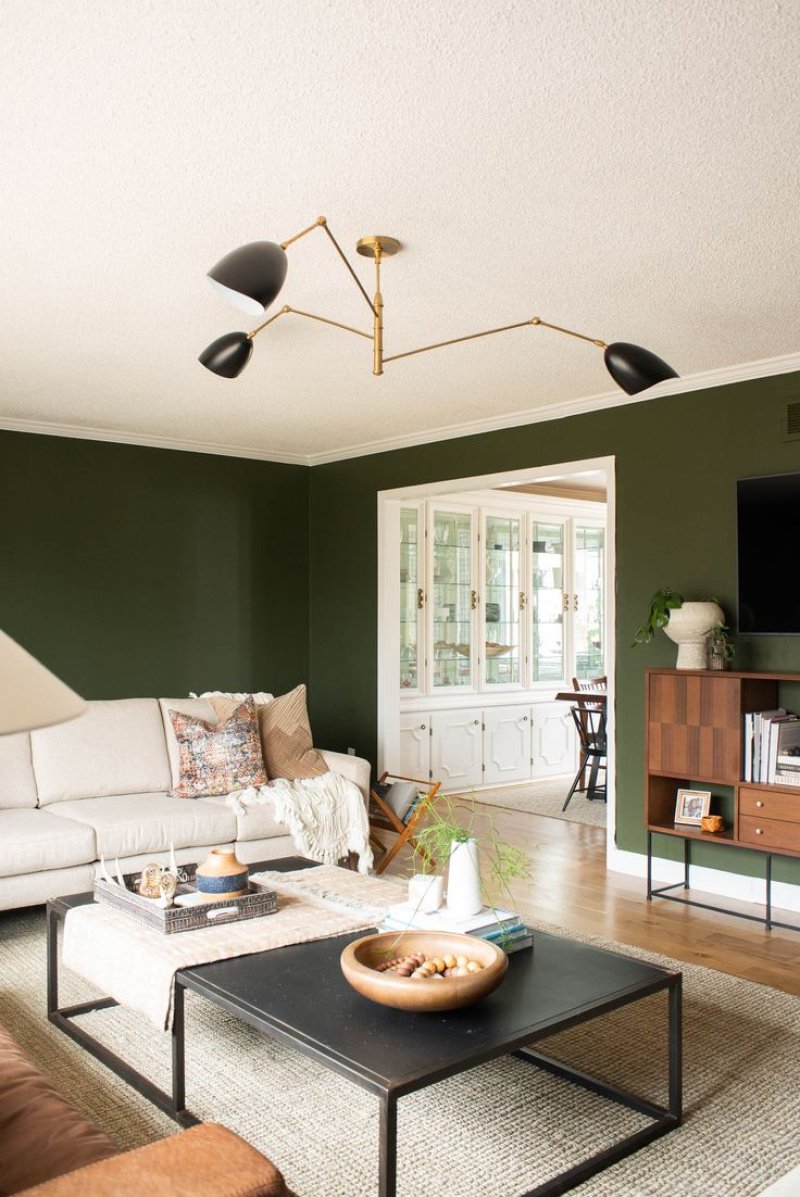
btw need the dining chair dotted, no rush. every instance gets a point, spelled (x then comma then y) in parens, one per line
(590, 723)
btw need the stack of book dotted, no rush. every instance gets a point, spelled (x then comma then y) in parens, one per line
(501, 927)
(772, 747)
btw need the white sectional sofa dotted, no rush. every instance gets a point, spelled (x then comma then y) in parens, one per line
(99, 785)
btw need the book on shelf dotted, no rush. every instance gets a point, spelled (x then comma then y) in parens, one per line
(768, 735)
(786, 736)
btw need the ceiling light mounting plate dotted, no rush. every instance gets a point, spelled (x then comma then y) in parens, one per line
(368, 246)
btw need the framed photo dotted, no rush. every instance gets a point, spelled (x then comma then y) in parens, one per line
(692, 806)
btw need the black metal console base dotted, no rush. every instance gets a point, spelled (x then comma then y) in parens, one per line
(663, 891)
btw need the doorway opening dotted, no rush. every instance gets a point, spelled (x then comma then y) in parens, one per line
(494, 592)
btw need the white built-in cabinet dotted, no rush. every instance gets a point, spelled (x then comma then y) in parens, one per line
(474, 746)
(501, 604)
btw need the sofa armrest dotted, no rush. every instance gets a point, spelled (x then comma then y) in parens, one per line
(207, 1159)
(354, 768)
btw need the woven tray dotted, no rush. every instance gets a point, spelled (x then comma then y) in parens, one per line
(171, 920)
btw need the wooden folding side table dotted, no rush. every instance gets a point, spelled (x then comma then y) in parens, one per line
(382, 817)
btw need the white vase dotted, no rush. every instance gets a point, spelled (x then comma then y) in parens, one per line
(689, 627)
(463, 879)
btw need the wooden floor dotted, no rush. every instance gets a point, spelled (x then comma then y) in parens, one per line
(570, 887)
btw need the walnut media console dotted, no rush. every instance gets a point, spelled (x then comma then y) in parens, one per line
(695, 740)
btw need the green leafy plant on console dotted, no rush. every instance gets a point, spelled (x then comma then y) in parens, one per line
(662, 602)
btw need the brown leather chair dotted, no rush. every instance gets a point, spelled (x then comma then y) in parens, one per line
(48, 1149)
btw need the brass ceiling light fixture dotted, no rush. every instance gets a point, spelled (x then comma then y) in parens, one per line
(252, 276)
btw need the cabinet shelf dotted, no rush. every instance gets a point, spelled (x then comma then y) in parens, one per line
(695, 740)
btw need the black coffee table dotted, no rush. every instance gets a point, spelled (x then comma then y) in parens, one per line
(298, 995)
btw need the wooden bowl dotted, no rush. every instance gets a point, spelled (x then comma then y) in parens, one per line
(358, 961)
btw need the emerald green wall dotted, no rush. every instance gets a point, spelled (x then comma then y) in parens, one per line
(677, 460)
(135, 571)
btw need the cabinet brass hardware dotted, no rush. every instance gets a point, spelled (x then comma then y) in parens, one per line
(524, 718)
(420, 599)
(473, 594)
(759, 830)
(574, 602)
(566, 601)
(475, 722)
(422, 727)
(522, 600)
(759, 803)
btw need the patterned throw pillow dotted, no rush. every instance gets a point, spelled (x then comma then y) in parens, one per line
(218, 758)
(286, 737)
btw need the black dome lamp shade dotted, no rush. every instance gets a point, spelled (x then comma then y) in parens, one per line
(635, 369)
(228, 355)
(251, 276)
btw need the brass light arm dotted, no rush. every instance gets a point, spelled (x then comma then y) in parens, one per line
(355, 277)
(568, 332)
(535, 320)
(309, 316)
(455, 340)
(322, 223)
(261, 327)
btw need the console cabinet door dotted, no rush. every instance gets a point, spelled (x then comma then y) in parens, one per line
(506, 744)
(456, 748)
(415, 746)
(555, 740)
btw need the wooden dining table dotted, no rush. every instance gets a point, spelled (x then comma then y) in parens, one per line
(577, 696)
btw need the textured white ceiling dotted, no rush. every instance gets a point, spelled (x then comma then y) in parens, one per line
(628, 169)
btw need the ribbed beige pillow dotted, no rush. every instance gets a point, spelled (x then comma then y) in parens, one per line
(286, 739)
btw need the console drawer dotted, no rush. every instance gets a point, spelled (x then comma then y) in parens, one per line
(769, 804)
(773, 835)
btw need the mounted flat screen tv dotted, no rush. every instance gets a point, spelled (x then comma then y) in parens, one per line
(768, 530)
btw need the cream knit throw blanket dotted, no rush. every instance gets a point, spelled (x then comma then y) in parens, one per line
(326, 815)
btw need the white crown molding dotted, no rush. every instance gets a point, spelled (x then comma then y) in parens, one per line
(724, 376)
(42, 428)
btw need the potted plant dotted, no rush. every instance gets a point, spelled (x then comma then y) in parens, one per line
(449, 835)
(721, 646)
(687, 624)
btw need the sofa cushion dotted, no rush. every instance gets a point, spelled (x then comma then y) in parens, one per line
(127, 824)
(17, 780)
(41, 1135)
(33, 840)
(218, 758)
(256, 823)
(117, 747)
(286, 737)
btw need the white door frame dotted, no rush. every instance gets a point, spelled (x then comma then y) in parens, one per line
(389, 502)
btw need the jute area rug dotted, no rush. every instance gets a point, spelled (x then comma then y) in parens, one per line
(493, 1132)
(542, 798)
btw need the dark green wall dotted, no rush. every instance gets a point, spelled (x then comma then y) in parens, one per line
(136, 571)
(677, 461)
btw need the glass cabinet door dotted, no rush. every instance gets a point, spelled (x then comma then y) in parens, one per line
(410, 599)
(547, 601)
(452, 598)
(587, 601)
(502, 600)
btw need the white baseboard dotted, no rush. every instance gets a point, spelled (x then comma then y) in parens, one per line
(710, 881)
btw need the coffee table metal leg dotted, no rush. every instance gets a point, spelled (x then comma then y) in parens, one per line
(676, 1048)
(387, 1186)
(178, 1052)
